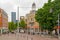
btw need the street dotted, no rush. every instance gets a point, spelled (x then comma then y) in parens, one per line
(22, 36)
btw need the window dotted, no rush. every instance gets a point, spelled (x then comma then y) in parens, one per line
(31, 24)
(32, 19)
(0, 14)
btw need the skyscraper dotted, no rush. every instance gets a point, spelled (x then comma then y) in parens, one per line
(13, 17)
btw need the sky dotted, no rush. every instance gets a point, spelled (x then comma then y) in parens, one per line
(24, 6)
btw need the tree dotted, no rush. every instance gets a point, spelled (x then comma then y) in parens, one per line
(47, 15)
(16, 25)
(9, 26)
(22, 24)
(12, 26)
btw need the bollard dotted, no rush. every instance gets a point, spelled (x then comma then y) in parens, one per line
(27, 37)
(31, 38)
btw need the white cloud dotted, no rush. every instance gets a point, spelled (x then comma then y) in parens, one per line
(6, 1)
(11, 5)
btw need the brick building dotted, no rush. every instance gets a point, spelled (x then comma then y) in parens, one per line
(3, 20)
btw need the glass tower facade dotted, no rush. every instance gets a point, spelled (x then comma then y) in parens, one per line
(13, 17)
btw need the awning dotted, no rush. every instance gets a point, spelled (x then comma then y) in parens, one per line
(57, 27)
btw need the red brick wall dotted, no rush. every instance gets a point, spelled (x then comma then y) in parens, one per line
(0, 21)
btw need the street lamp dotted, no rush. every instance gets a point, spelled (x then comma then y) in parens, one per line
(18, 17)
(58, 22)
(18, 23)
(58, 26)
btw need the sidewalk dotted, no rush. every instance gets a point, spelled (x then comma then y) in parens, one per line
(21, 36)
(37, 37)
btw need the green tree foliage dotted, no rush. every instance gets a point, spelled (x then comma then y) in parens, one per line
(12, 26)
(22, 24)
(16, 24)
(48, 15)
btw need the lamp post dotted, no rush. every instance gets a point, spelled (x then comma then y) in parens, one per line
(18, 23)
(58, 26)
(18, 17)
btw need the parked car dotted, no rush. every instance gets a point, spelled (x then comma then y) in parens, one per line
(21, 31)
(12, 32)
(31, 32)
